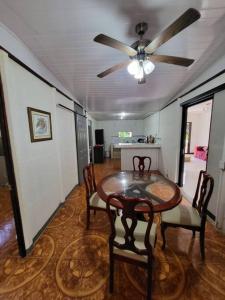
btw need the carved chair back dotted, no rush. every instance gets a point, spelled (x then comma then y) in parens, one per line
(89, 180)
(203, 193)
(129, 220)
(141, 163)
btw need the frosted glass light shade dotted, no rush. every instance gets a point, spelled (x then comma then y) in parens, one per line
(133, 67)
(148, 67)
(140, 74)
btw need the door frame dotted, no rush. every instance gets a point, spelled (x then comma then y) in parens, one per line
(11, 174)
(189, 138)
(80, 177)
(185, 105)
(90, 140)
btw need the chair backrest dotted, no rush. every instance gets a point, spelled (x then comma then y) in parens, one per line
(141, 163)
(129, 220)
(203, 192)
(89, 179)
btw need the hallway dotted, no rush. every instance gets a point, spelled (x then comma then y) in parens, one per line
(68, 262)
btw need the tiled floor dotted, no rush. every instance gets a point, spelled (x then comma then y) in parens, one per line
(69, 262)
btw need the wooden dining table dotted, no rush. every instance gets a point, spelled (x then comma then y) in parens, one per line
(163, 193)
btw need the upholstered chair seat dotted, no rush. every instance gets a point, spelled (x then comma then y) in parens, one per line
(94, 202)
(131, 240)
(183, 215)
(191, 217)
(139, 235)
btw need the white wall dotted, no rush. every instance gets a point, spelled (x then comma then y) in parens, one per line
(169, 132)
(10, 42)
(66, 138)
(204, 128)
(213, 69)
(151, 125)
(167, 124)
(94, 126)
(194, 119)
(39, 167)
(112, 127)
(216, 144)
(200, 128)
(220, 210)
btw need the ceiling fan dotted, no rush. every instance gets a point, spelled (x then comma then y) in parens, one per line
(141, 53)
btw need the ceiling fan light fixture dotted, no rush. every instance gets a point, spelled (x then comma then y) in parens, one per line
(133, 67)
(140, 74)
(140, 50)
(148, 67)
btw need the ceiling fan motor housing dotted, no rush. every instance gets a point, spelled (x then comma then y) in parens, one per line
(141, 28)
(143, 50)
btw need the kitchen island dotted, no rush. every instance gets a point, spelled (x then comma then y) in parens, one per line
(128, 150)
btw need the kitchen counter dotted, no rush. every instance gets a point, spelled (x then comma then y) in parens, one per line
(135, 145)
(128, 150)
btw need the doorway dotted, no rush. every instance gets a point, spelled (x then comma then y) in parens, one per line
(11, 230)
(90, 140)
(82, 145)
(196, 123)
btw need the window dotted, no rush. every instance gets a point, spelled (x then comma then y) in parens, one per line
(125, 134)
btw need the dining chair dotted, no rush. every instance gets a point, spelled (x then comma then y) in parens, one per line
(191, 217)
(141, 163)
(94, 202)
(131, 240)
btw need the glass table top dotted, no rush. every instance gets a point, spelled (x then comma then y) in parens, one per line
(163, 193)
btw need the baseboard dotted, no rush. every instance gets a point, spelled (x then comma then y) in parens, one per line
(71, 191)
(211, 216)
(36, 237)
(186, 196)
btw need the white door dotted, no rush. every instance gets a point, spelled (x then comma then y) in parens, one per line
(216, 144)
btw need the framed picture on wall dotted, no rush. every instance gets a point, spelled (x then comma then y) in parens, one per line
(40, 125)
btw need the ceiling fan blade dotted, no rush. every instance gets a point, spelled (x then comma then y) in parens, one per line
(108, 41)
(174, 60)
(189, 17)
(113, 69)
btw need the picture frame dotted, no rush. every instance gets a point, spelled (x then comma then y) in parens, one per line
(40, 125)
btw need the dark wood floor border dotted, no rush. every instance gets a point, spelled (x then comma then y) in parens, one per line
(49, 220)
(73, 189)
(211, 216)
(44, 227)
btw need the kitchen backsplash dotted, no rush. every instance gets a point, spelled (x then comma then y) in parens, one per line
(133, 139)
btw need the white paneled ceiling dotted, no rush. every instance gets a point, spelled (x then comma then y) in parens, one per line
(60, 33)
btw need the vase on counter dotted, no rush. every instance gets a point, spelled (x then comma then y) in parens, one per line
(151, 139)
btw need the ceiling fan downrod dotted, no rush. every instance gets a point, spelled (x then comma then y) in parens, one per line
(141, 28)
